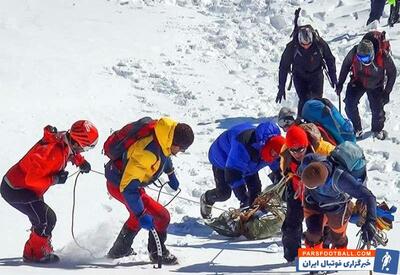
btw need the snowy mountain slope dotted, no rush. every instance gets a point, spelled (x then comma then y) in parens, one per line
(211, 64)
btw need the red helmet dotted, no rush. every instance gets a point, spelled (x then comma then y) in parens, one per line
(84, 133)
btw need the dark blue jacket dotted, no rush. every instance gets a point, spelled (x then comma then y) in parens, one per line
(338, 189)
(237, 151)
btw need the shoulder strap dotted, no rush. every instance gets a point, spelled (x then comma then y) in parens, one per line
(246, 138)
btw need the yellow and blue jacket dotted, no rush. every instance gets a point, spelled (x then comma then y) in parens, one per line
(143, 163)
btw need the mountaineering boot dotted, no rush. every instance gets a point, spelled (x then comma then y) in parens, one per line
(167, 257)
(38, 249)
(205, 208)
(122, 245)
(380, 135)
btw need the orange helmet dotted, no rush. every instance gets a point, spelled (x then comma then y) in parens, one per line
(84, 133)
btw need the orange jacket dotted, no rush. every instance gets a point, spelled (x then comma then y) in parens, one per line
(38, 169)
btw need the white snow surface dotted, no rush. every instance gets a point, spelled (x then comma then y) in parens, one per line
(209, 63)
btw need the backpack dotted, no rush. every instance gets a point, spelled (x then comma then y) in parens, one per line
(349, 157)
(322, 112)
(382, 47)
(119, 141)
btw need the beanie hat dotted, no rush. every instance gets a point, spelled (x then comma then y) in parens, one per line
(183, 136)
(314, 175)
(365, 47)
(272, 148)
(296, 137)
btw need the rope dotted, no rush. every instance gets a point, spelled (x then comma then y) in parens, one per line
(165, 193)
(73, 218)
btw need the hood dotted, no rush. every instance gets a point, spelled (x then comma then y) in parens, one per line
(164, 131)
(264, 131)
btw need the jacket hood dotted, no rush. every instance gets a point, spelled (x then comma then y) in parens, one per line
(264, 131)
(164, 131)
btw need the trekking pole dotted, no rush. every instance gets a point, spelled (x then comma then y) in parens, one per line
(159, 248)
(340, 103)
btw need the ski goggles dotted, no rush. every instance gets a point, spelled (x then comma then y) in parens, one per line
(79, 149)
(285, 122)
(365, 59)
(299, 150)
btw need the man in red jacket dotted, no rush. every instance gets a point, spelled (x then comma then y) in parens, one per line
(25, 183)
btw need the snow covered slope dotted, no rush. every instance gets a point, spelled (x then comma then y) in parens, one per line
(209, 63)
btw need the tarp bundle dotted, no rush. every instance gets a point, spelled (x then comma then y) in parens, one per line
(260, 221)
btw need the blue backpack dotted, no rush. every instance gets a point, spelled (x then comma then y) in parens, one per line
(322, 112)
(349, 157)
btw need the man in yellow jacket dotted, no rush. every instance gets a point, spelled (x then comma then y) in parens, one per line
(143, 163)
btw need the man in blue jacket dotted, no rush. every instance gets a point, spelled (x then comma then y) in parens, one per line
(236, 157)
(327, 200)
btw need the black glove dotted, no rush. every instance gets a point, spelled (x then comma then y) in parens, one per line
(61, 177)
(51, 129)
(275, 177)
(368, 230)
(281, 94)
(339, 88)
(85, 167)
(385, 97)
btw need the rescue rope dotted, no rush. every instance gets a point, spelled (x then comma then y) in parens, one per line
(165, 193)
(73, 218)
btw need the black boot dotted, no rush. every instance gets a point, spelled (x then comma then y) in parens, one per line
(167, 257)
(122, 245)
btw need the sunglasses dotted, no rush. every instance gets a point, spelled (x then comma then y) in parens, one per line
(297, 150)
(365, 59)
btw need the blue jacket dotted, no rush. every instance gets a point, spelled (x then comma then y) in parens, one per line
(237, 151)
(338, 189)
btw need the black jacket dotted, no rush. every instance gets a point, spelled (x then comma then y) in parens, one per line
(306, 63)
(369, 77)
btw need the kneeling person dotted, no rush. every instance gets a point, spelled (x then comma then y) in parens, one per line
(236, 157)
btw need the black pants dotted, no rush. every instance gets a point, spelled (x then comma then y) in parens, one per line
(308, 88)
(41, 216)
(292, 227)
(377, 7)
(222, 191)
(376, 102)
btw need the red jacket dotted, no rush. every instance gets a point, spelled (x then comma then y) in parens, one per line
(38, 169)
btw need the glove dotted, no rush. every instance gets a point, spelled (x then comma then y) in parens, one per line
(173, 181)
(275, 177)
(368, 230)
(85, 167)
(51, 129)
(339, 88)
(385, 97)
(61, 177)
(281, 94)
(146, 221)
